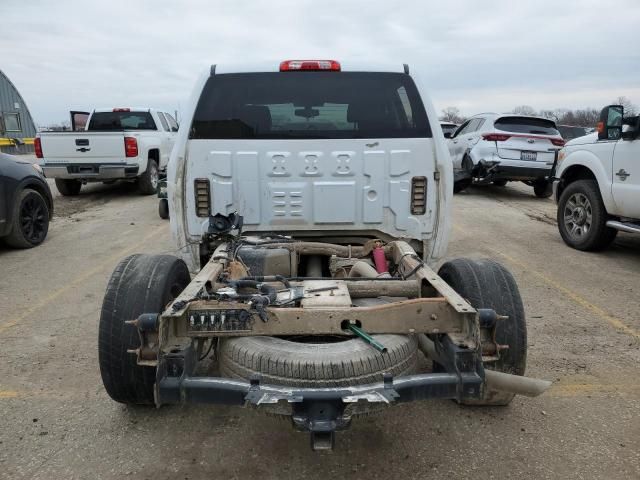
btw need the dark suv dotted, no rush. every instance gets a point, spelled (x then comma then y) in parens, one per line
(26, 204)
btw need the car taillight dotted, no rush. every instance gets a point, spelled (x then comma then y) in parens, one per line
(558, 142)
(495, 137)
(203, 197)
(121, 109)
(130, 147)
(309, 65)
(418, 195)
(37, 146)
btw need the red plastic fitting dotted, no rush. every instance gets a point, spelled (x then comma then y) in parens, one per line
(380, 261)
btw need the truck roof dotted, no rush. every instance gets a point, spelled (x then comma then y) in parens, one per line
(132, 109)
(274, 66)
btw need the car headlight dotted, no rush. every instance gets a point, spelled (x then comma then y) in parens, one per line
(37, 168)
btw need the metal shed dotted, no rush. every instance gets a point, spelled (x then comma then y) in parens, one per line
(17, 129)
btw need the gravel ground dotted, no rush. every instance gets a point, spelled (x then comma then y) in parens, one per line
(584, 334)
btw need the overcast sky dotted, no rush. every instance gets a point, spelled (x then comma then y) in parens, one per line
(477, 56)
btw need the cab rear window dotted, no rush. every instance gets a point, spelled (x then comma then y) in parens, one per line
(114, 121)
(306, 105)
(538, 126)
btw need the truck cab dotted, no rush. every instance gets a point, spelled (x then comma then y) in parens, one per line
(597, 184)
(349, 151)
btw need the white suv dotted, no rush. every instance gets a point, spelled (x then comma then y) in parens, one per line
(498, 148)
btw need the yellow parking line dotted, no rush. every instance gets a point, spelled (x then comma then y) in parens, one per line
(8, 394)
(610, 319)
(585, 389)
(77, 281)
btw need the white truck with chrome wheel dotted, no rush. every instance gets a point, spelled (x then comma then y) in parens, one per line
(312, 200)
(132, 144)
(597, 182)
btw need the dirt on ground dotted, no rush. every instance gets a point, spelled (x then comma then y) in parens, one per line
(56, 421)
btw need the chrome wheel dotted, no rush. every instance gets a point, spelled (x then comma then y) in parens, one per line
(578, 216)
(153, 174)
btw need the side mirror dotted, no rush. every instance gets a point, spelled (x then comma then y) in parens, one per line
(610, 124)
(447, 135)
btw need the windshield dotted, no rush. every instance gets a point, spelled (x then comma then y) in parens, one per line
(306, 105)
(537, 126)
(114, 121)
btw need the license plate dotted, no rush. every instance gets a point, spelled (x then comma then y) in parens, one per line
(530, 156)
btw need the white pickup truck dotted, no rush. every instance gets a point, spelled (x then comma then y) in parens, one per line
(296, 185)
(116, 144)
(597, 182)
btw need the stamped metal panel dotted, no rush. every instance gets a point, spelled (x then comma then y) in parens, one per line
(289, 185)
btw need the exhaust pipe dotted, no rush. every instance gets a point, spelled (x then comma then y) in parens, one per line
(498, 381)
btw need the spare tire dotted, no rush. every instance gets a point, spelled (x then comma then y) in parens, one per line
(317, 365)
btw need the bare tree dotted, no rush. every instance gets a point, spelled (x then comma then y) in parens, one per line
(550, 114)
(451, 114)
(629, 108)
(524, 110)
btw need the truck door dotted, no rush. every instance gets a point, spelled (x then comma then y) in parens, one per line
(167, 140)
(78, 120)
(457, 143)
(626, 177)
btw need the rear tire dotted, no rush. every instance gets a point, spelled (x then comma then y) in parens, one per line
(139, 284)
(163, 208)
(542, 189)
(582, 217)
(68, 187)
(30, 220)
(487, 284)
(148, 181)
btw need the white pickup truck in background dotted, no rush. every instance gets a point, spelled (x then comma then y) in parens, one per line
(597, 182)
(116, 144)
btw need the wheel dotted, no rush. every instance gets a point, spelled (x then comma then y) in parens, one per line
(139, 284)
(499, 183)
(306, 362)
(163, 208)
(542, 189)
(582, 217)
(148, 181)
(68, 187)
(487, 284)
(30, 220)
(461, 185)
